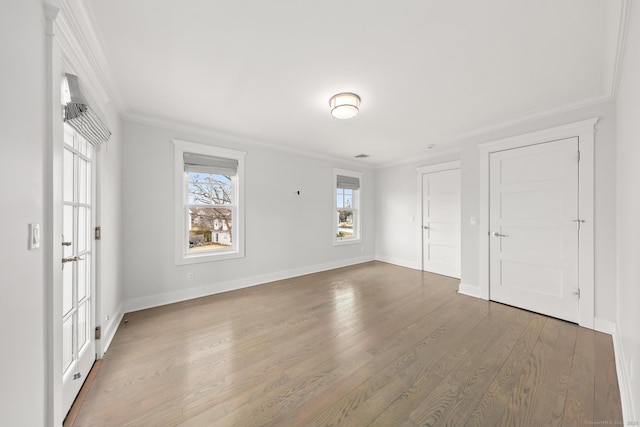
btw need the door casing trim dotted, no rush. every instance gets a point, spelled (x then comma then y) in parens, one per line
(585, 131)
(440, 167)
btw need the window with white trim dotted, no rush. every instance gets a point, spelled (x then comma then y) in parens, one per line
(346, 208)
(209, 203)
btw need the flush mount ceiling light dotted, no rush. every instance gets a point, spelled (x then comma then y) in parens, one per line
(344, 105)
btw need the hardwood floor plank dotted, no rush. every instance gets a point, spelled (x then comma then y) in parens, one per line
(578, 409)
(363, 404)
(301, 363)
(606, 389)
(452, 401)
(561, 359)
(362, 342)
(371, 344)
(530, 401)
(495, 402)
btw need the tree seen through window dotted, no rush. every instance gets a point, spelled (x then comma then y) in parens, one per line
(210, 207)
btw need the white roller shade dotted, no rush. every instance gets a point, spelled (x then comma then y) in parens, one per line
(348, 182)
(208, 164)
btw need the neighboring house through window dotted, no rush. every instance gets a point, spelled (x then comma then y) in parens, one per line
(209, 202)
(346, 207)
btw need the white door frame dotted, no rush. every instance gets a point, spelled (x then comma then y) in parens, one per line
(53, 220)
(440, 167)
(585, 131)
(63, 53)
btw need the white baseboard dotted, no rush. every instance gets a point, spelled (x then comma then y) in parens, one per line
(472, 291)
(109, 330)
(398, 261)
(604, 325)
(142, 303)
(622, 370)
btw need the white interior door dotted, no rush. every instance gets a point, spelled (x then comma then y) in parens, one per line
(78, 352)
(533, 243)
(441, 222)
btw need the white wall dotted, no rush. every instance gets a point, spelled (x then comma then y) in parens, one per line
(22, 165)
(286, 234)
(397, 235)
(628, 207)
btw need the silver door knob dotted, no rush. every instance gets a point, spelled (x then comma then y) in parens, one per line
(496, 234)
(72, 259)
(425, 227)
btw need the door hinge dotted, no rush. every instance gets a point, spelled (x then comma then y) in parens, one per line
(97, 233)
(578, 155)
(98, 332)
(577, 292)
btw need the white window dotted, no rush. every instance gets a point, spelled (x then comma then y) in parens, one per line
(209, 189)
(346, 208)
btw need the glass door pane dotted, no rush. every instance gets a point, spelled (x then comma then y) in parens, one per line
(77, 341)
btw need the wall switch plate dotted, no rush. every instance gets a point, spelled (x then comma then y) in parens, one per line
(34, 236)
(190, 275)
(473, 220)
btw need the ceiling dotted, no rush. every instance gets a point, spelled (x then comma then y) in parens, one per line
(427, 71)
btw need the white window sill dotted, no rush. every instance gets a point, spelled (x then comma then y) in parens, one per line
(208, 257)
(341, 242)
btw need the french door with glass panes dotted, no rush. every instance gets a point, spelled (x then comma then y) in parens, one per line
(77, 266)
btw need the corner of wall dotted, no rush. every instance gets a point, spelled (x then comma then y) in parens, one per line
(397, 261)
(624, 377)
(157, 300)
(469, 290)
(109, 329)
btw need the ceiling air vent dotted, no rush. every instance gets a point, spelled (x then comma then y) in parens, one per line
(362, 156)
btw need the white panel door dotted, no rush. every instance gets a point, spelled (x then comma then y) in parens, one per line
(441, 222)
(78, 344)
(533, 243)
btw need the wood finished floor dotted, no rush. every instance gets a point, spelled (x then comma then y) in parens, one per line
(373, 344)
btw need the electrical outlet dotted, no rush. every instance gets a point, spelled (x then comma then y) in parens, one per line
(190, 275)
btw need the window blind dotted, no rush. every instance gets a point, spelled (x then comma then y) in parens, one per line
(348, 182)
(208, 164)
(80, 116)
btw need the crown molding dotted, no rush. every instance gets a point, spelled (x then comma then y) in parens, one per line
(623, 30)
(550, 134)
(51, 10)
(215, 134)
(418, 159)
(551, 112)
(84, 53)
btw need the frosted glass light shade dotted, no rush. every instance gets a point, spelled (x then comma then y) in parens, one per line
(344, 105)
